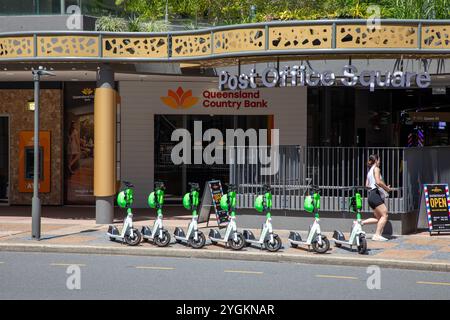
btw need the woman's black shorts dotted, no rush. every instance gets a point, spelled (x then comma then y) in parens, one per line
(375, 198)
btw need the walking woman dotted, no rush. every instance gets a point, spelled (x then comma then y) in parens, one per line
(377, 193)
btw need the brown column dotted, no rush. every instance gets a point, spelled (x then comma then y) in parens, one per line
(105, 146)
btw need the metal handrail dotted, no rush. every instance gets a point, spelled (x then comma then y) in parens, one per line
(406, 22)
(212, 31)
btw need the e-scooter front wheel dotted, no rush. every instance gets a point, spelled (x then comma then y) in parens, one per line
(275, 246)
(200, 242)
(362, 248)
(135, 239)
(323, 248)
(237, 244)
(164, 241)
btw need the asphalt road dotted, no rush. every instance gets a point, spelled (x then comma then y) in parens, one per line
(43, 276)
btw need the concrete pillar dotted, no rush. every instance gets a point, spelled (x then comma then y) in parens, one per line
(105, 146)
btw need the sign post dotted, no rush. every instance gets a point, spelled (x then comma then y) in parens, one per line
(437, 204)
(36, 202)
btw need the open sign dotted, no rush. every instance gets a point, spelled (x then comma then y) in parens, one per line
(437, 203)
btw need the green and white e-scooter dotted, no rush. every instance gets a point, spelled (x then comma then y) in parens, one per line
(129, 235)
(158, 235)
(357, 235)
(193, 237)
(234, 239)
(268, 239)
(315, 238)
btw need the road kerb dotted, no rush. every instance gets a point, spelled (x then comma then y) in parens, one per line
(232, 255)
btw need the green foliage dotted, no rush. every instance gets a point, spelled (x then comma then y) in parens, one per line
(112, 24)
(137, 24)
(219, 12)
(422, 9)
(153, 26)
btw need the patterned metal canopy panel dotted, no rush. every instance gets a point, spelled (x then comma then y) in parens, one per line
(264, 41)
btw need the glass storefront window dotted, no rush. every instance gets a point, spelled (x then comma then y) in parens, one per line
(4, 159)
(10, 7)
(29, 7)
(177, 177)
(340, 116)
(42, 7)
(49, 6)
(79, 142)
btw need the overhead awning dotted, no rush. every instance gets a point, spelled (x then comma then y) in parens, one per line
(219, 46)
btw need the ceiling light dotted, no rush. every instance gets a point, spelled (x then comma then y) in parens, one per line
(30, 105)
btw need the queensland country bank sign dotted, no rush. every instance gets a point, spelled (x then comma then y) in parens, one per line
(183, 98)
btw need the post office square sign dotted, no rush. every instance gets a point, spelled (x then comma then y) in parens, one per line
(437, 202)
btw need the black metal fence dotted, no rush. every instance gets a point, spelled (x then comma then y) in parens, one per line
(334, 169)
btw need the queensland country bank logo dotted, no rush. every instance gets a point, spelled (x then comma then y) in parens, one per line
(179, 99)
(87, 91)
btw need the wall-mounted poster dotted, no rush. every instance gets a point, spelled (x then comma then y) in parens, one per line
(79, 142)
(26, 161)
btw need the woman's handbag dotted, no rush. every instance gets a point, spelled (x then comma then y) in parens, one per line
(382, 192)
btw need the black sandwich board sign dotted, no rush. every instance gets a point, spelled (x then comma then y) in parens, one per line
(437, 205)
(212, 194)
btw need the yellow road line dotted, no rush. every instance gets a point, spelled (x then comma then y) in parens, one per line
(328, 276)
(154, 268)
(243, 271)
(67, 264)
(434, 283)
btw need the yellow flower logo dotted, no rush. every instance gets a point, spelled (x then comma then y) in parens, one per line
(179, 99)
(87, 91)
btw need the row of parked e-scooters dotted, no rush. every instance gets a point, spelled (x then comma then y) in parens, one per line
(232, 237)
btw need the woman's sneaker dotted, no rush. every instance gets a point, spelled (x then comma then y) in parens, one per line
(379, 238)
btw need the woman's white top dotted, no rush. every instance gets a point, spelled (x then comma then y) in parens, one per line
(371, 178)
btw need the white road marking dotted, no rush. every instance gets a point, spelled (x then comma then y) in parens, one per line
(67, 264)
(243, 271)
(154, 268)
(330, 276)
(434, 283)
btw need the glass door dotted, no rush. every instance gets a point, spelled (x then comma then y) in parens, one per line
(165, 170)
(176, 177)
(4, 159)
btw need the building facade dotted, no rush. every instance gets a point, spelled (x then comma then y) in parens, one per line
(163, 82)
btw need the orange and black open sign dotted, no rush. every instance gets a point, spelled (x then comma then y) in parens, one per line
(438, 207)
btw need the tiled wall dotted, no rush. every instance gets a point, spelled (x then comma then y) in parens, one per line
(13, 102)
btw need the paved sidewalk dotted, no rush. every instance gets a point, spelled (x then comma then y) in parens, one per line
(419, 251)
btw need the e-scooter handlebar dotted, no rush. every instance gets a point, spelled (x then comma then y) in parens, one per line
(160, 185)
(128, 185)
(231, 187)
(194, 186)
(311, 187)
(267, 188)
